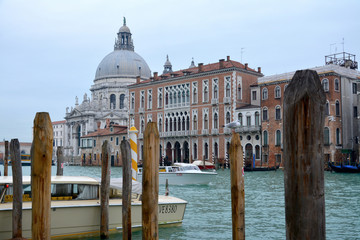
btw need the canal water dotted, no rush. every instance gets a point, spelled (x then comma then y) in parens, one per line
(208, 213)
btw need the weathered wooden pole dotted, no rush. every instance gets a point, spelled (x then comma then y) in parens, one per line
(150, 183)
(127, 185)
(237, 187)
(105, 184)
(41, 154)
(17, 189)
(60, 160)
(6, 159)
(303, 157)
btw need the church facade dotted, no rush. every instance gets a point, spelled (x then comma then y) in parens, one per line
(109, 93)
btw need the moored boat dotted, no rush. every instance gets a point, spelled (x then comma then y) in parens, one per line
(182, 174)
(75, 206)
(344, 168)
(260, 169)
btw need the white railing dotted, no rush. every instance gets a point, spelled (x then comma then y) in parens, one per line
(214, 101)
(227, 99)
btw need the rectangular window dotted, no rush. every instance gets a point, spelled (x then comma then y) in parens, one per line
(278, 158)
(248, 120)
(254, 95)
(117, 140)
(354, 88)
(355, 112)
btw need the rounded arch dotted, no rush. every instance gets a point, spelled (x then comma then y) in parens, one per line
(325, 84)
(186, 153)
(122, 101)
(277, 91)
(248, 155)
(264, 93)
(168, 158)
(177, 152)
(112, 101)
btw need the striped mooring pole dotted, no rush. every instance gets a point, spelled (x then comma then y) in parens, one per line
(133, 144)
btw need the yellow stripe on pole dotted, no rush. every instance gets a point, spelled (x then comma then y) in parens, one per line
(133, 144)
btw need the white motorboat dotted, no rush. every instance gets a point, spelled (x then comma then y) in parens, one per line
(75, 206)
(181, 174)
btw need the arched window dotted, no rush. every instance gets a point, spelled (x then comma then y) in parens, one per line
(215, 120)
(337, 108)
(277, 92)
(195, 151)
(326, 136)
(166, 125)
(277, 113)
(122, 101)
(166, 99)
(179, 97)
(257, 152)
(170, 97)
(206, 94)
(206, 151)
(227, 90)
(278, 138)
(266, 140)
(264, 94)
(206, 122)
(215, 92)
(265, 114)
(327, 109)
(175, 124)
(188, 96)
(142, 126)
(175, 99)
(216, 150)
(112, 101)
(171, 123)
(195, 95)
(239, 92)
(183, 96)
(132, 103)
(160, 100)
(338, 136)
(336, 85)
(257, 119)
(228, 117)
(183, 124)
(194, 123)
(187, 123)
(240, 118)
(160, 125)
(179, 124)
(325, 84)
(142, 103)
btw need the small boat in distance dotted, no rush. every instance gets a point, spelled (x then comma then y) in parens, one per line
(182, 174)
(25, 160)
(204, 165)
(75, 206)
(344, 168)
(260, 169)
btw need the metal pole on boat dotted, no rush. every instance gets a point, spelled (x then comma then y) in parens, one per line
(6, 162)
(105, 184)
(17, 189)
(237, 187)
(60, 161)
(41, 155)
(127, 185)
(304, 103)
(150, 182)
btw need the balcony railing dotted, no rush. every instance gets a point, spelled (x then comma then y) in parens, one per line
(252, 128)
(205, 132)
(141, 110)
(214, 131)
(193, 132)
(132, 111)
(227, 100)
(214, 101)
(227, 130)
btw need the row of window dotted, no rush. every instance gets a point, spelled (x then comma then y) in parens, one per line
(113, 101)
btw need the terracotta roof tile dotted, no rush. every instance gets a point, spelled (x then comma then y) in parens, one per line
(117, 129)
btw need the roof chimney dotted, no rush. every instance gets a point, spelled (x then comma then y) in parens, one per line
(259, 69)
(221, 62)
(246, 65)
(200, 66)
(137, 79)
(155, 75)
(227, 58)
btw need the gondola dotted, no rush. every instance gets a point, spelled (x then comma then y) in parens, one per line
(344, 168)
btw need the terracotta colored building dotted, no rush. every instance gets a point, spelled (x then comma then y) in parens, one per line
(190, 107)
(341, 131)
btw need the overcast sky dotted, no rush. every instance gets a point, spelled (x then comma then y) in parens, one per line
(49, 50)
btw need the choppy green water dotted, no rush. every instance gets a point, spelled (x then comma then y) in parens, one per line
(208, 213)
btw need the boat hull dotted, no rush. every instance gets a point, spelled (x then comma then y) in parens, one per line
(344, 168)
(70, 218)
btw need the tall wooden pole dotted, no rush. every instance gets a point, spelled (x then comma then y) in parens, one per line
(105, 184)
(150, 183)
(41, 154)
(17, 189)
(127, 185)
(303, 157)
(237, 188)
(60, 160)
(6, 159)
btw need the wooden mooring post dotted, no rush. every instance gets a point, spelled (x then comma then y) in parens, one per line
(150, 183)
(41, 154)
(17, 189)
(303, 157)
(105, 184)
(237, 187)
(127, 187)
(60, 160)
(6, 159)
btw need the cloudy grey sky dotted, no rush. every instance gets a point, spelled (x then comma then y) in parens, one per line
(49, 50)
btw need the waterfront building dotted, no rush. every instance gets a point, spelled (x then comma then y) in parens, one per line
(91, 144)
(58, 135)
(109, 93)
(25, 148)
(341, 126)
(191, 106)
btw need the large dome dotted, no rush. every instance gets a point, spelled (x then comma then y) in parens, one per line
(123, 64)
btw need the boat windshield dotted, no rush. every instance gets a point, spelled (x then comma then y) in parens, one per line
(190, 167)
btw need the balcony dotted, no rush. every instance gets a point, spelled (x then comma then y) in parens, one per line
(141, 110)
(132, 111)
(205, 132)
(193, 132)
(214, 131)
(214, 101)
(246, 129)
(227, 100)
(227, 131)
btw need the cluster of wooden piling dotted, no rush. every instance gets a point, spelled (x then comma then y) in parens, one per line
(304, 176)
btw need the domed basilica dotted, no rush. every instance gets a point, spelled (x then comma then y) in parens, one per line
(109, 95)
